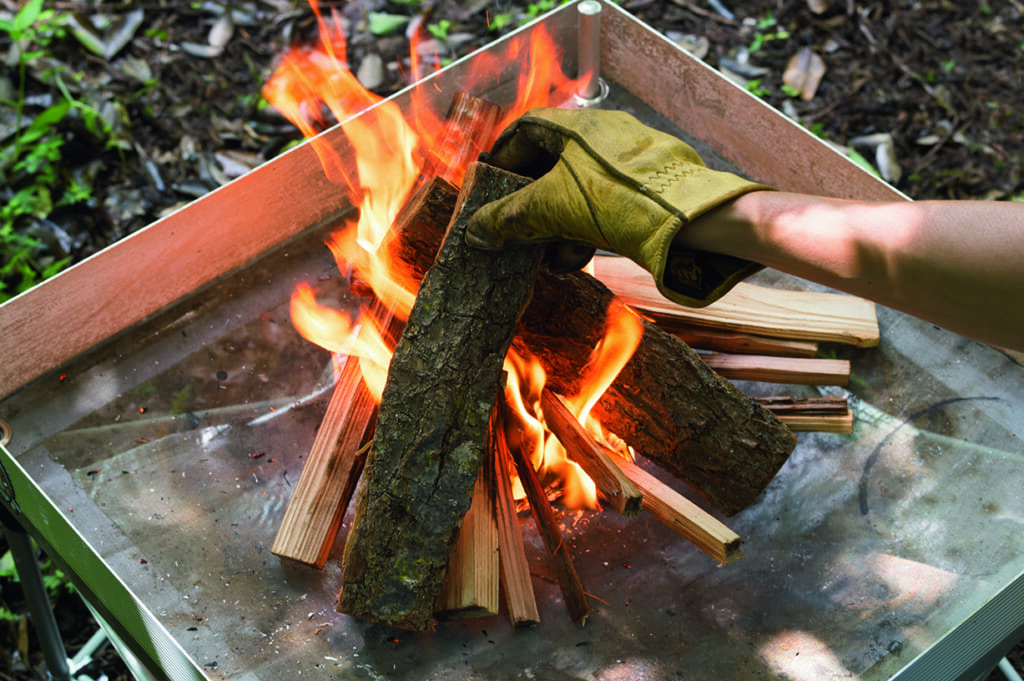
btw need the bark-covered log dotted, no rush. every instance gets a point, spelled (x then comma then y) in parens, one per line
(666, 403)
(443, 381)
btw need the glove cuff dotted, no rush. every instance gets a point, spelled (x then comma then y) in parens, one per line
(697, 278)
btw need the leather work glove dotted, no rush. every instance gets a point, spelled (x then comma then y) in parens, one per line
(606, 180)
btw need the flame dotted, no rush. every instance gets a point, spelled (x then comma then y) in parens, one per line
(334, 330)
(623, 333)
(391, 150)
(526, 379)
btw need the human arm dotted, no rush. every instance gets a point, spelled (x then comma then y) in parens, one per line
(606, 180)
(958, 264)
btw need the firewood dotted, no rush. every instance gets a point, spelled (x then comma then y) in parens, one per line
(573, 595)
(470, 127)
(720, 340)
(806, 406)
(613, 484)
(322, 494)
(795, 370)
(432, 424)
(666, 400)
(754, 309)
(471, 587)
(329, 476)
(515, 570)
(821, 423)
(683, 516)
(665, 403)
(811, 414)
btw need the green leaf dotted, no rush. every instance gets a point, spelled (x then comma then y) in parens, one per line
(28, 15)
(44, 122)
(500, 21)
(54, 268)
(385, 24)
(7, 566)
(862, 162)
(790, 91)
(440, 29)
(767, 22)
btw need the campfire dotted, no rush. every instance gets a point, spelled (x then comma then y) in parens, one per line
(469, 383)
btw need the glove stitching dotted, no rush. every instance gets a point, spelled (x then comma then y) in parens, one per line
(673, 173)
(586, 199)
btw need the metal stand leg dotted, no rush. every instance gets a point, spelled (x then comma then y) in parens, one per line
(35, 593)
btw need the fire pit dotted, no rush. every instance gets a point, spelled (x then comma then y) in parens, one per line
(161, 407)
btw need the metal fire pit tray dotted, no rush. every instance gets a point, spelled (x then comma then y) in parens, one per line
(161, 406)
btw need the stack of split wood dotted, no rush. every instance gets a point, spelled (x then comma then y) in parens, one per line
(435, 530)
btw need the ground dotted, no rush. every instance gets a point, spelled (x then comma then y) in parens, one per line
(166, 106)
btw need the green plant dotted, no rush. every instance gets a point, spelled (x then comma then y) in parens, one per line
(754, 87)
(440, 29)
(537, 8)
(790, 91)
(761, 36)
(500, 21)
(381, 23)
(30, 158)
(54, 580)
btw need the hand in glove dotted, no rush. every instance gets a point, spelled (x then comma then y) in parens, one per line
(607, 181)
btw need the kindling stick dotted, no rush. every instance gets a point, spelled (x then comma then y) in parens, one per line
(684, 516)
(515, 570)
(568, 581)
(471, 588)
(770, 369)
(616, 488)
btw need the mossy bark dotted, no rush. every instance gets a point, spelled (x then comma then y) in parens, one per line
(443, 381)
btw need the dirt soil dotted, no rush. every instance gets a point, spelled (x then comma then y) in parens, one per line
(942, 78)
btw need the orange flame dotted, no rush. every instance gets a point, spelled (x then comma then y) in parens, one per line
(334, 330)
(623, 333)
(390, 150)
(522, 391)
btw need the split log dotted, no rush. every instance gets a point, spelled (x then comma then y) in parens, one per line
(720, 340)
(807, 315)
(471, 587)
(768, 369)
(805, 406)
(831, 423)
(665, 403)
(515, 570)
(550, 533)
(322, 494)
(443, 381)
(471, 125)
(615, 487)
(330, 474)
(811, 414)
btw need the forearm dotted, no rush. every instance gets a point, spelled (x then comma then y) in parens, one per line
(959, 264)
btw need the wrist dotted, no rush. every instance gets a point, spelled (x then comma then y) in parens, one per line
(730, 229)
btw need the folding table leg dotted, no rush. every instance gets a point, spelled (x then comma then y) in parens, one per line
(35, 593)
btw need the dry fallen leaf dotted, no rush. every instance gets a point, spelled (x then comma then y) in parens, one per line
(804, 72)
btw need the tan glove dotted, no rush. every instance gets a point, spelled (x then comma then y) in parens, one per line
(611, 182)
